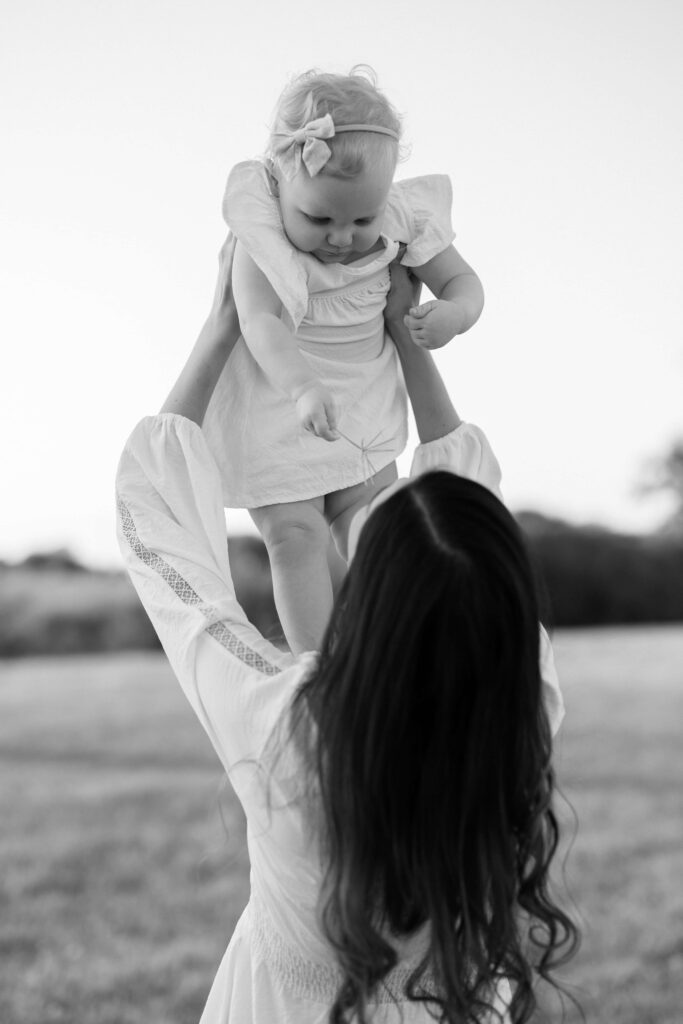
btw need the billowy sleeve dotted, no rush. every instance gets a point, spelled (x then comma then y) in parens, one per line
(172, 534)
(467, 452)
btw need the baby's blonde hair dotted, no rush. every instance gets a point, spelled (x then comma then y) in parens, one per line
(349, 99)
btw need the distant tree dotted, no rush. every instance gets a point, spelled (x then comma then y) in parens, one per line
(591, 576)
(61, 559)
(664, 475)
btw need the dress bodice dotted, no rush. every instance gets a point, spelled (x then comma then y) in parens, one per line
(346, 306)
(417, 214)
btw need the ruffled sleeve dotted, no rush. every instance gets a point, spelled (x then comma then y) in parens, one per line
(418, 213)
(253, 216)
(467, 452)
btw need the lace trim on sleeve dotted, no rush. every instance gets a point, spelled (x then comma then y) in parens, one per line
(189, 596)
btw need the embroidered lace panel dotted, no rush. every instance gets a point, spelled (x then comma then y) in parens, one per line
(309, 979)
(188, 595)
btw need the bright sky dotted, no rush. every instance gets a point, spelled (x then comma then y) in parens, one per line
(558, 122)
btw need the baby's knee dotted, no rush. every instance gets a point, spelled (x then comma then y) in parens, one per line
(300, 529)
(339, 527)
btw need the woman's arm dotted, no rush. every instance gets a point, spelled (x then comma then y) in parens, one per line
(459, 302)
(191, 393)
(466, 452)
(435, 415)
(172, 535)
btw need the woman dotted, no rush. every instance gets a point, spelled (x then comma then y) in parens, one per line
(398, 784)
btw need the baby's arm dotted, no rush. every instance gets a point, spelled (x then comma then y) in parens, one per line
(458, 304)
(275, 349)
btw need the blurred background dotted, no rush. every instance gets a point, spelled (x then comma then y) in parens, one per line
(123, 862)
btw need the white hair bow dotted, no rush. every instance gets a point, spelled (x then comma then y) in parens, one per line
(306, 144)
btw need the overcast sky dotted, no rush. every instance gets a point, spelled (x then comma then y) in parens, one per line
(558, 122)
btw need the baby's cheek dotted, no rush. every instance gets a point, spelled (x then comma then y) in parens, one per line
(300, 237)
(370, 238)
(316, 238)
(311, 237)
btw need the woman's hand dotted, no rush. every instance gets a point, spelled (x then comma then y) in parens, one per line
(435, 416)
(317, 411)
(223, 313)
(403, 293)
(429, 325)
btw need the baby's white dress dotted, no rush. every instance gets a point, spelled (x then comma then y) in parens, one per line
(278, 968)
(336, 312)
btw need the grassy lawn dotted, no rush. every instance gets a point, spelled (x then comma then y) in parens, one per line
(620, 764)
(122, 862)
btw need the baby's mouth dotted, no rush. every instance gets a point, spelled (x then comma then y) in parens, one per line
(336, 254)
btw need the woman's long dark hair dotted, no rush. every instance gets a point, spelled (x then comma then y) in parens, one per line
(425, 736)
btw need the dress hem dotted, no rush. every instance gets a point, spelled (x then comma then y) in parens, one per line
(315, 491)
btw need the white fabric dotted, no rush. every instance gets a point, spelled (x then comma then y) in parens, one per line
(417, 214)
(336, 312)
(278, 967)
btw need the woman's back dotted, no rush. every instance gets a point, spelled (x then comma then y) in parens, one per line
(312, 920)
(280, 965)
(287, 879)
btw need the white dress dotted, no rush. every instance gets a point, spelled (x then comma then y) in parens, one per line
(278, 968)
(336, 313)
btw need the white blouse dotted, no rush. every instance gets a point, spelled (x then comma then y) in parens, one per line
(278, 968)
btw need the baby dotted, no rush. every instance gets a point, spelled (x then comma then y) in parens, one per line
(315, 381)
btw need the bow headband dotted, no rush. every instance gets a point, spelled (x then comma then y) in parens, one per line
(308, 144)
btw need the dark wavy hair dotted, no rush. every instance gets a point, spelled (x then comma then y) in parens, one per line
(426, 742)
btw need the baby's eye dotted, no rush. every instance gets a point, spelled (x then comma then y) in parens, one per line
(317, 220)
(365, 220)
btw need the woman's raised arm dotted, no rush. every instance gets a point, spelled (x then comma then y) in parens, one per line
(172, 535)
(435, 415)
(191, 393)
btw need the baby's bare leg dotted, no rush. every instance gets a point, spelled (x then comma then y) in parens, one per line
(341, 506)
(296, 536)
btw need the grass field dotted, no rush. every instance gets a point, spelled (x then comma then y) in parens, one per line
(122, 861)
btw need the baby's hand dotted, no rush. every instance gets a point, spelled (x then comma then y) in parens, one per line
(434, 323)
(317, 412)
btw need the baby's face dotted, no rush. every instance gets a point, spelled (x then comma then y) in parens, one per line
(337, 220)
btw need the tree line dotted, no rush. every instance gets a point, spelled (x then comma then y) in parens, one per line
(588, 576)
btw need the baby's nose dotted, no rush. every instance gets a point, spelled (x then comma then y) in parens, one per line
(339, 237)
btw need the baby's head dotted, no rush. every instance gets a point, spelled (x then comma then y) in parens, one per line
(332, 183)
